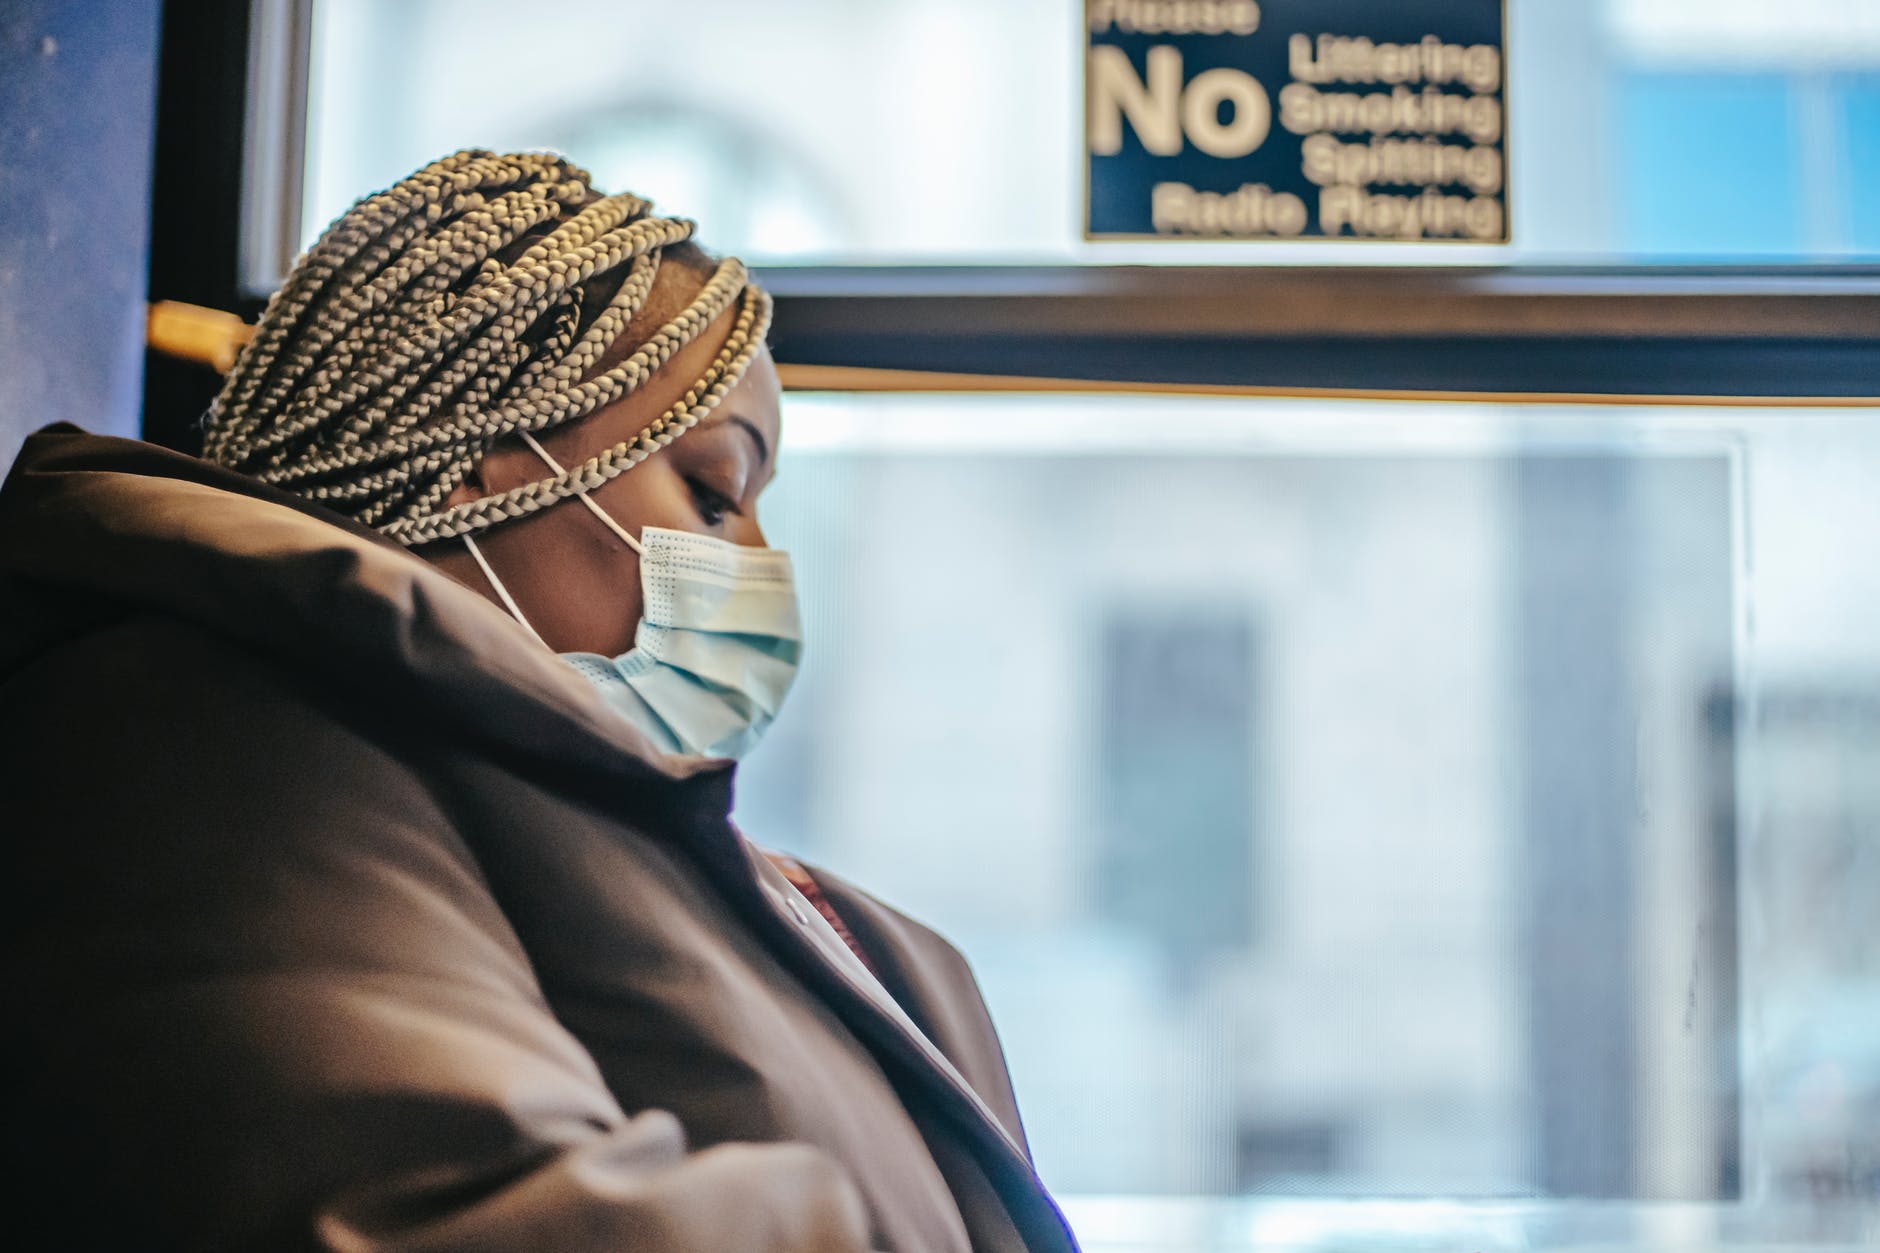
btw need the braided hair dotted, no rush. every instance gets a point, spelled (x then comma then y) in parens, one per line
(481, 297)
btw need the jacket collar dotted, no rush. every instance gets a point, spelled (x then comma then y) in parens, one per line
(126, 527)
(786, 902)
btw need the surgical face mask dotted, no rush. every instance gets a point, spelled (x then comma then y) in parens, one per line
(717, 645)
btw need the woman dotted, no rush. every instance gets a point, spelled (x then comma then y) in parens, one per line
(347, 914)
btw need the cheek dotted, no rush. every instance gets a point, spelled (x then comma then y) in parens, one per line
(655, 493)
(606, 600)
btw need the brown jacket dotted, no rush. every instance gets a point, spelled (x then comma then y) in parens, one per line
(339, 915)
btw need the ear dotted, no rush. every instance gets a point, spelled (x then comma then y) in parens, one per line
(465, 492)
(475, 485)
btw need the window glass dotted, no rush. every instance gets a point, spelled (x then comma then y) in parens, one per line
(1683, 198)
(872, 131)
(1378, 825)
(1859, 155)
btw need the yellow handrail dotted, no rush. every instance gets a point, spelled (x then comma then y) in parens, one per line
(193, 333)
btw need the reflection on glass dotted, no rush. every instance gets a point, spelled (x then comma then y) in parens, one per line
(1348, 806)
(884, 130)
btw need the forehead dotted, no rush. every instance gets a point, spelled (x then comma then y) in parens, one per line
(750, 411)
(758, 397)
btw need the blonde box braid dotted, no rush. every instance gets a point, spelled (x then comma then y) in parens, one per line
(402, 347)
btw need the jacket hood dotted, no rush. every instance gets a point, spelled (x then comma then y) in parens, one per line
(95, 529)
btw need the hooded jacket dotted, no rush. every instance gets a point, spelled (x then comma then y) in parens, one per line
(339, 914)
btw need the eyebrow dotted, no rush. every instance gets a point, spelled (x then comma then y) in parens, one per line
(757, 437)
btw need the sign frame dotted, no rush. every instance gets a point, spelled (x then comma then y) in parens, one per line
(1084, 159)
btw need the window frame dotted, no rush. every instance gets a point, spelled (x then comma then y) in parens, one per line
(1702, 332)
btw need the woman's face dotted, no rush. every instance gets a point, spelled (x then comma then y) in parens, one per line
(575, 580)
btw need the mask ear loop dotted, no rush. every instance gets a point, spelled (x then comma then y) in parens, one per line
(581, 494)
(509, 602)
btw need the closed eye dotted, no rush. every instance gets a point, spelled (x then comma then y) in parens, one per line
(712, 504)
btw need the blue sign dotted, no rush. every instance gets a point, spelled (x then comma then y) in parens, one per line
(1296, 119)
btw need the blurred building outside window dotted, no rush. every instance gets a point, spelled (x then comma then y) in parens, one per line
(1514, 764)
